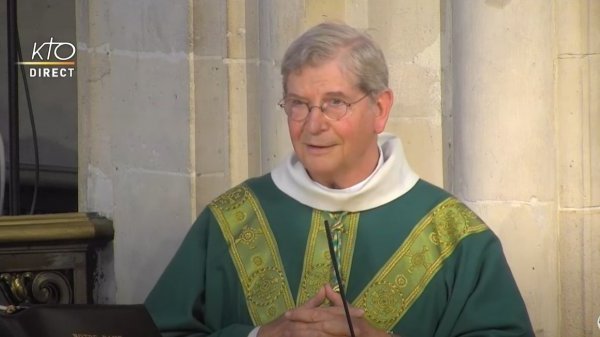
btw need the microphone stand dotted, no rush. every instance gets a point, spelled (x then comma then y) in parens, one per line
(13, 108)
(338, 277)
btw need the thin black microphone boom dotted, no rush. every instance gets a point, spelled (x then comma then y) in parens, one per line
(338, 277)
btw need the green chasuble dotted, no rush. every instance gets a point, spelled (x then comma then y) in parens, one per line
(409, 278)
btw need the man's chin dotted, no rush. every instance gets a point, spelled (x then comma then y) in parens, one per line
(319, 174)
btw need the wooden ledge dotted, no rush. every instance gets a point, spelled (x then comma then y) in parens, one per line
(55, 227)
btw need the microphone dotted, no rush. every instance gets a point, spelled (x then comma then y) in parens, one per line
(338, 277)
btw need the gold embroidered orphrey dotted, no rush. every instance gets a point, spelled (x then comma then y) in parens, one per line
(317, 269)
(388, 296)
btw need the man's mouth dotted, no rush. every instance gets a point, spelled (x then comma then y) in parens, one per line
(318, 148)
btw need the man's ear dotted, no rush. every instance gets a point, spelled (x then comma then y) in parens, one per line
(383, 106)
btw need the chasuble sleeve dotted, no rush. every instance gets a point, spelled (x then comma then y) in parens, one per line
(484, 300)
(178, 302)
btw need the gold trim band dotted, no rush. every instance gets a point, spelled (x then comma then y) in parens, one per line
(403, 278)
(255, 254)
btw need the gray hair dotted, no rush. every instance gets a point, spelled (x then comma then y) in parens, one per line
(360, 55)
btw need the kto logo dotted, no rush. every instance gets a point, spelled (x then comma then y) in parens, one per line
(52, 59)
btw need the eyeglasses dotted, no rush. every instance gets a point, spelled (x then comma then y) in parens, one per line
(333, 108)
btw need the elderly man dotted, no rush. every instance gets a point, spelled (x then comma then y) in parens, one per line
(413, 260)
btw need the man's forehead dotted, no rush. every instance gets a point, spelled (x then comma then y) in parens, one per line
(327, 74)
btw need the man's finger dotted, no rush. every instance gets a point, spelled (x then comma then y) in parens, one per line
(313, 315)
(333, 297)
(336, 299)
(316, 300)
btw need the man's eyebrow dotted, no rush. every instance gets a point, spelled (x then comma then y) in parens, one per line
(292, 95)
(327, 94)
(335, 93)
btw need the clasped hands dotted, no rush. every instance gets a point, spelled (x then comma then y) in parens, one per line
(313, 319)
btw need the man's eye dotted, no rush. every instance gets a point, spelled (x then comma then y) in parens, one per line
(295, 102)
(336, 102)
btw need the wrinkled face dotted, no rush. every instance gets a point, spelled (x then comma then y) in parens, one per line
(341, 153)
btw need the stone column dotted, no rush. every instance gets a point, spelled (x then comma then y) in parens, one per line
(503, 141)
(577, 61)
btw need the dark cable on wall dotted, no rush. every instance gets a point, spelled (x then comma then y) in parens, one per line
(33, 129)
(13, 109)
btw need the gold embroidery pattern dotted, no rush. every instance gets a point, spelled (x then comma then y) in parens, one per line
(254, 252)
(386, 298)
(418, 259)
(317, 261)
(248, 236)
(404, 277)
(231, 199)
(315, 277)
(266, 284)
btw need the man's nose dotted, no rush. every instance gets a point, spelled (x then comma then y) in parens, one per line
(315, 120)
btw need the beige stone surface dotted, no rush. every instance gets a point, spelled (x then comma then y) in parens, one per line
(280, 23)
(274, 138)
(316, 11)
(579, 78)
(571, 20)
(580, 275)
(404, 28)
(208, 186)
(355, 13)
(208, 28)
(148, 26)
(148, 227)
(242, 64)
(593, 29)
(577, 140)
(238, 121)
(594, 126)
(244, 121)
(578, 123)
(91, 70)
(421, 139)
(211, 117)
(416, 88)
(572, 291)
(236, 29)
(503, 101)
(253, 120)
(145, 111)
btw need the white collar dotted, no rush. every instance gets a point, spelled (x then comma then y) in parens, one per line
(392, 178)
